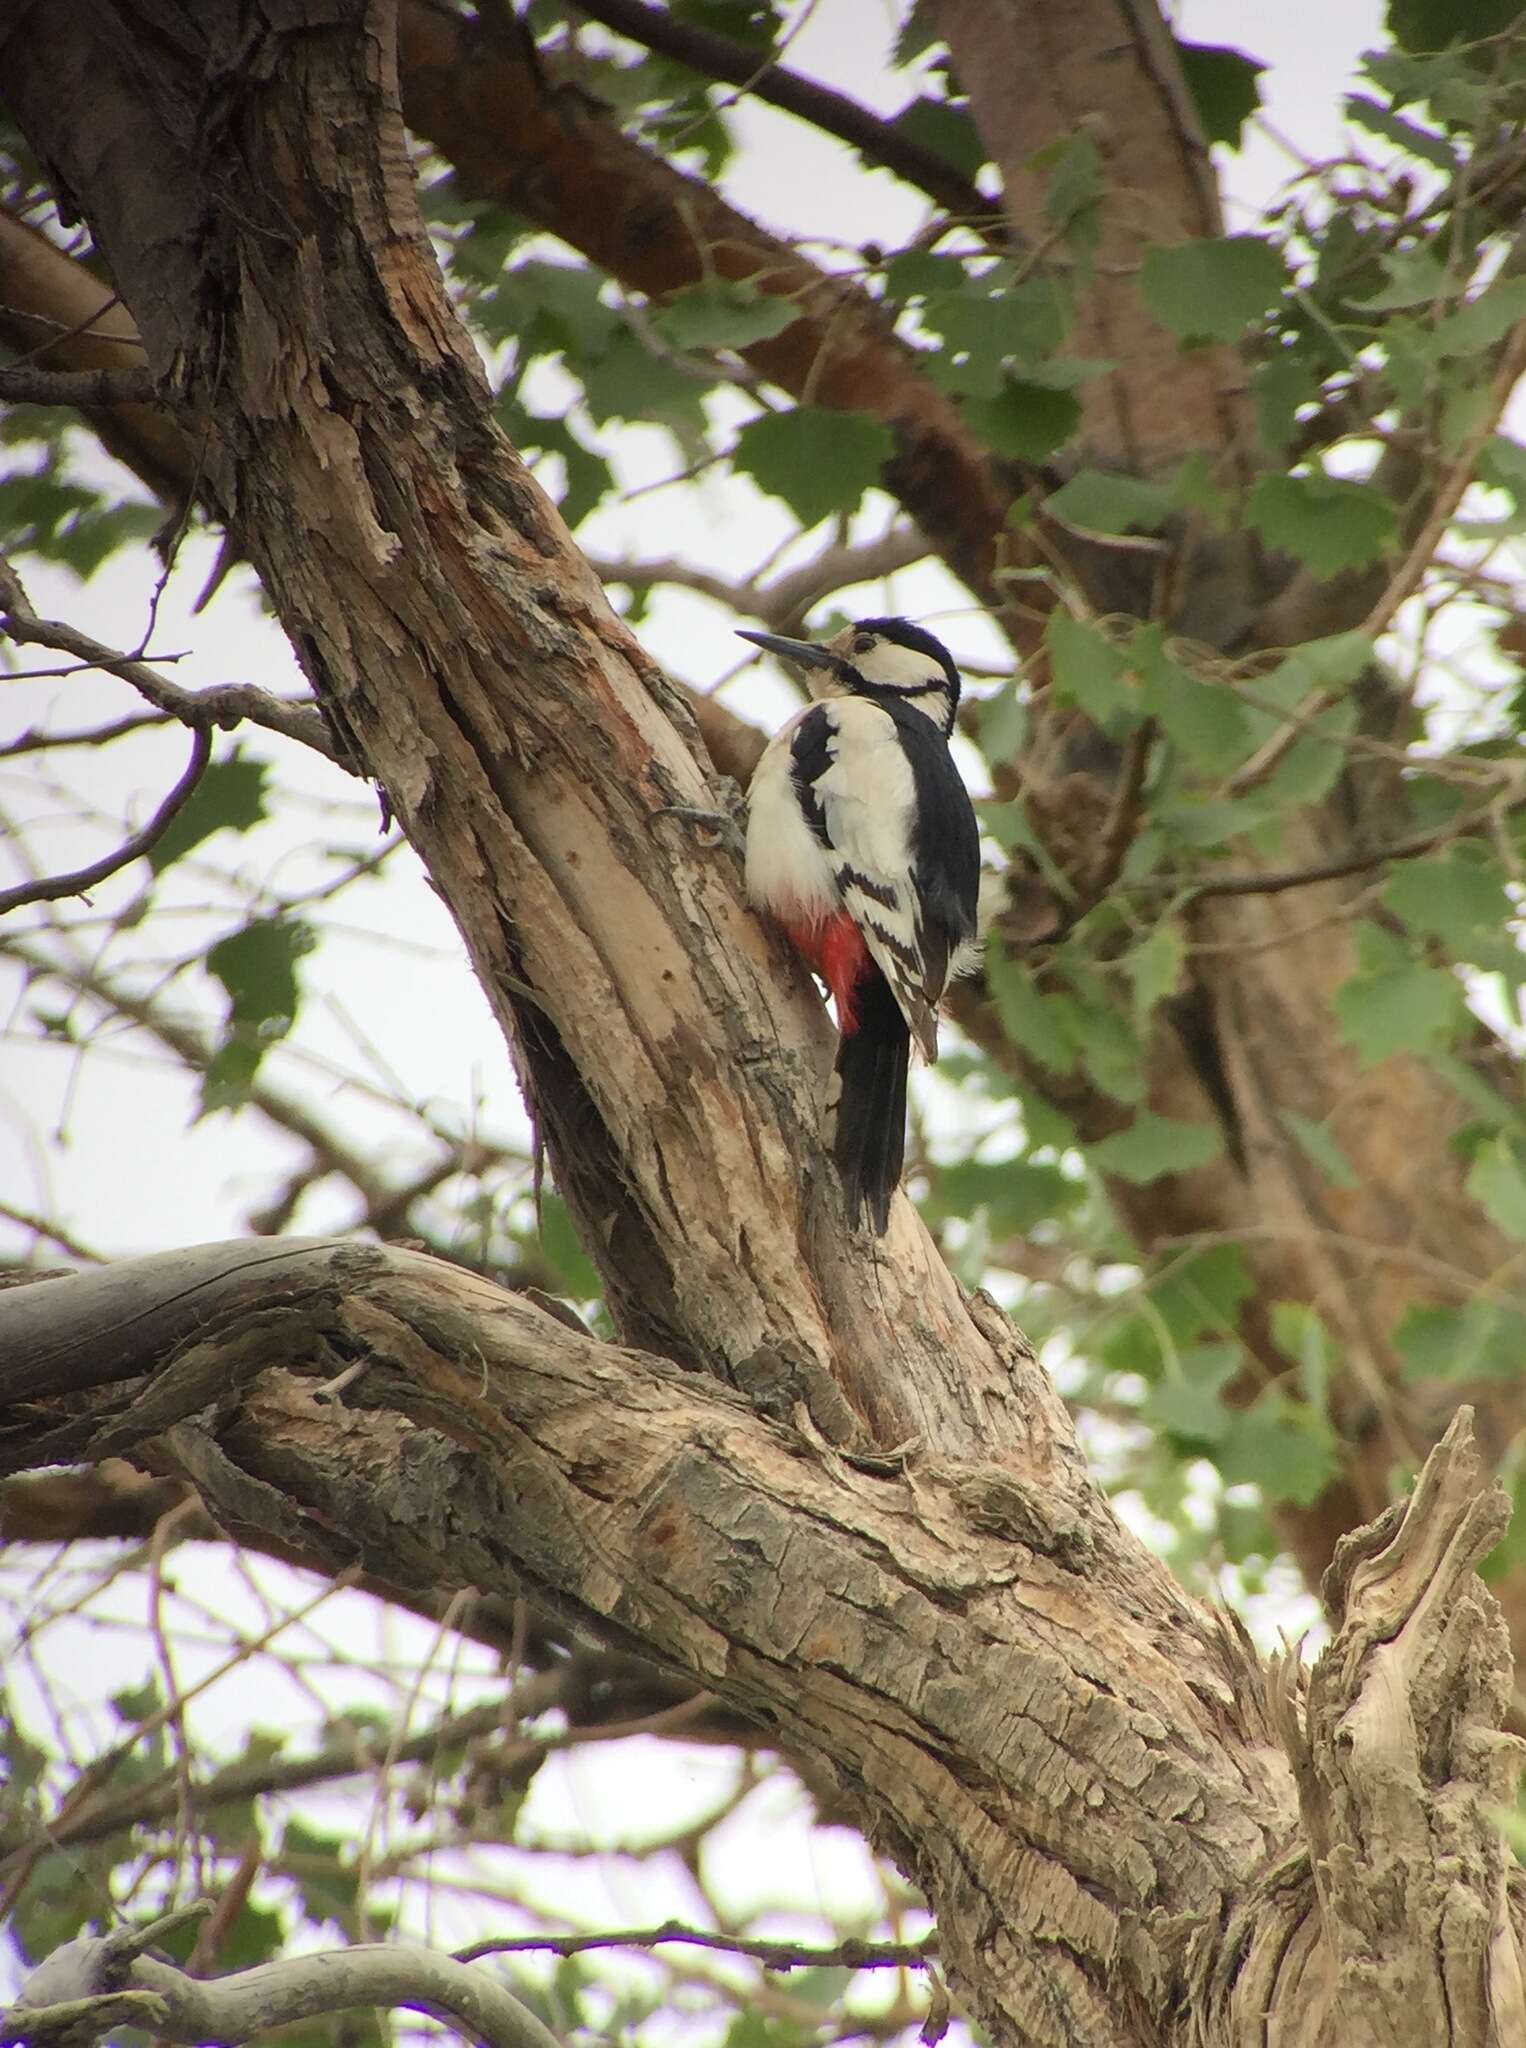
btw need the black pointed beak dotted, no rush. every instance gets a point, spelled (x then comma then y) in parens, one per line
(804, 653)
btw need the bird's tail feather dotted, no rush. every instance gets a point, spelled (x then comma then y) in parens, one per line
(867, 1105)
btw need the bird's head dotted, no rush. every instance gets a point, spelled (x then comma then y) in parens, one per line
(887, 659)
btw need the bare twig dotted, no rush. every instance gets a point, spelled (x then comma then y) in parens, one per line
(716, 56)
(782, 602)
(774, 1955)
(227, 705)
(1280, 879)
(32, 741)
(49, 888)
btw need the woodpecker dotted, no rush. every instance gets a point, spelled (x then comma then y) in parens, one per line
(862, 844)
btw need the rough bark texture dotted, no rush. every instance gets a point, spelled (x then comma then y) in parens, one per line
(1085, 1771)
(1253, 1035)
(1089, 1775)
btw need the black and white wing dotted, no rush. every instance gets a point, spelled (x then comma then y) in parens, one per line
(883, 796)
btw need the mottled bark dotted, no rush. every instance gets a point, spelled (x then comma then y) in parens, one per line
(1130, 1832)
(1254, 1034)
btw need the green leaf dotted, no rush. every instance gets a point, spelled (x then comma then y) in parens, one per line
(325, 1877)
(1032, 1021)
(1155, 967)
(1188, 1404)
(1203, 719)
(564, 1252)
(817, 461)
(1449, 894)
(1075, 183)
(1213, 289)
(1001, 721)
(1497, 1182)
(1088, 670)
(1330, 665)
(258, 968)
(1416, 277)
(1016, 1194)
(918, 273)
(1110, 1051)
(944, 129)
(1099, 501)
(1282, 384)
(230, 797)
(1484, 320)
(630, 382)
(1301, 1333)
(1317, 1142)
(1400, 1009)
(1222, 83)
(1425, 25)
(1155, 1145)
(721, 313)
(1481, 1340)
(136, 1702)
(1024, 422)
(1285, 1450)
(1327, 522)
(1201, 1292)
(1424, 143)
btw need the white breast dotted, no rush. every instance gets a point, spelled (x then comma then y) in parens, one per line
(788, 872)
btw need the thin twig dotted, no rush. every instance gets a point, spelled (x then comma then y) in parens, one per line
(1406, 579)
(49, 888)
(774, 1955)
(1279, 879)
(718, 57)
(227, 705)
(32, 741)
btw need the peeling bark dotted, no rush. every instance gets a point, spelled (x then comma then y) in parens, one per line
(1089, 1774)
(1254, 1035)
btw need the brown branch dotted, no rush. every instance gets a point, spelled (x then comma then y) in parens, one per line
(104, 1813)
(54, 307)
(48, 889)
(718, 57)
(560, 161)
(227, 705)
(774, 1955)
(1277, 880)
(780, 604)
(22, 385)
(32, 741)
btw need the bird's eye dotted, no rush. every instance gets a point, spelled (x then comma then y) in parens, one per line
(863, 643)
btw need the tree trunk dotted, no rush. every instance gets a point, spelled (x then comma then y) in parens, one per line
(819, 1482)
(1129, 1831)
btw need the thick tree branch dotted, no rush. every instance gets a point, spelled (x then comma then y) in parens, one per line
(1107, 75)
(484, 1443)
(95, 1984)
(512, 136)
(24, 385)
(62, 318)
(976, 1657)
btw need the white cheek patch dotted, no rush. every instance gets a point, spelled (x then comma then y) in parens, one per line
(898, 667)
